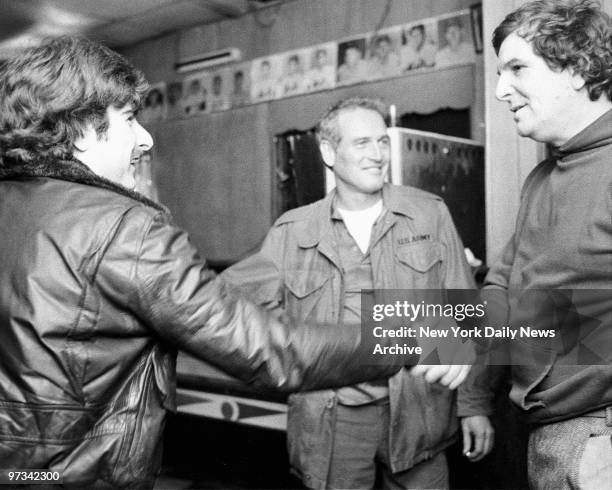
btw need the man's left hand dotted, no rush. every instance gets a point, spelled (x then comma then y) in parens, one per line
(478, 437)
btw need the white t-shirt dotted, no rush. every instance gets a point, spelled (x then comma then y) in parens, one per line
(359, 223)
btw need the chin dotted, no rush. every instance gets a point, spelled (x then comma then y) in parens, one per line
(524, 132)
(128, 183)
(374, 188)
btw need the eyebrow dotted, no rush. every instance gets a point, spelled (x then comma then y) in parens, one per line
(507, 63)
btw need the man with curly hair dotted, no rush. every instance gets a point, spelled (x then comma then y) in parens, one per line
(555, 73)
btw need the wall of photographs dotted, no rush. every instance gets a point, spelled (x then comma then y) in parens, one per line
(427, 44)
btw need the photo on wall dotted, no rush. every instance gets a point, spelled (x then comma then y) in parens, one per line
(174, 92)
(265, 73)
(383, 58)
(476, 18)
(240, 76)
(195, 95)
(322, 61)
(419, 45)
(292, 80)
(352, 63)
(456, 46)
(220, 88)
(154, 105)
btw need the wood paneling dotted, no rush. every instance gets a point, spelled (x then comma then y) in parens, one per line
(213, 172)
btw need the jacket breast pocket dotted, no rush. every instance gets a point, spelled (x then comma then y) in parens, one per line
(304, 290)
(419, 266)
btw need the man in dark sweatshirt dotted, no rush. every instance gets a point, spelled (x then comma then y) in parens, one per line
(555, 73)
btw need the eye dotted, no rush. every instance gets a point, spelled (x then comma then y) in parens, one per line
(517, 68)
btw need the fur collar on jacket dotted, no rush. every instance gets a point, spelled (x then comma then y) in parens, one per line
(72, 171)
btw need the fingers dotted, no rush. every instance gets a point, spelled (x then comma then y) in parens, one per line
(488, 442)
(460, 378)
(447, 375)
(430, 372)
(467, 439)
(420, 369)
(450, 376)
(478, 437)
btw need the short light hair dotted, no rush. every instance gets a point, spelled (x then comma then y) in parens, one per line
(567, 34)
(328, 130)
(50, 93)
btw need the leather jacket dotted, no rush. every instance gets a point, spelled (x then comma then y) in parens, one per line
(97, 289)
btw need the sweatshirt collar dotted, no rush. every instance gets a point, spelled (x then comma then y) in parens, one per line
(596, 135)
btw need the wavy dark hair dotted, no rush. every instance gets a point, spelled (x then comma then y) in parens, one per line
(50, 93)
(572, 34)
(327, 128)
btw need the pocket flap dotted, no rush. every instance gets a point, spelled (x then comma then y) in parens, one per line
(421, 256)
(304, 283)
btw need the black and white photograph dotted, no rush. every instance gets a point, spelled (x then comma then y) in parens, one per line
(419, 46)
(352, 61)
(476, 21)
(155, 104)
(292, 80)
(219, 98)
(383, 54)
(455, 43)
(306, 244)
(174, 96)
(196, 94)
(240, 76)
(321, 73)
(265, 74)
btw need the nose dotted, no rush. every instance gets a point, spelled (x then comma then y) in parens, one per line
(502, 89)
(376, 152)
(144, 140)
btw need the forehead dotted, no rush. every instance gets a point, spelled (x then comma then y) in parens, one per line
(359, 122)
(516, 48)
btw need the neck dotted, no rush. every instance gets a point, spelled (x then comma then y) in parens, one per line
(584, 116)
(356, 201)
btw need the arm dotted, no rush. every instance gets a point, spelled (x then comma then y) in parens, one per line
(160, 279)
(474, 407)
(258, 277)
(475, 395)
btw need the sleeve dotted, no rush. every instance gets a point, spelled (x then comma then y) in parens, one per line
(499, 274)
(457, 272)
(475, 395)
(158, 276)
(259, 277)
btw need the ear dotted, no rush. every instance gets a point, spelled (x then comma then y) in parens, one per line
(83, 143)
(576, 81)
(328, 153)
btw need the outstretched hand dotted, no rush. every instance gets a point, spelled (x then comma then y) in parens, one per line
(450, 375)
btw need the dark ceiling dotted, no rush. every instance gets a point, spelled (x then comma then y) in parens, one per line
(116, 22)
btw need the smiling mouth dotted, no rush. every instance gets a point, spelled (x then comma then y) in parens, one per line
(517, 108)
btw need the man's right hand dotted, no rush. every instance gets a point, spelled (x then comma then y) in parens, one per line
(450, 375)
